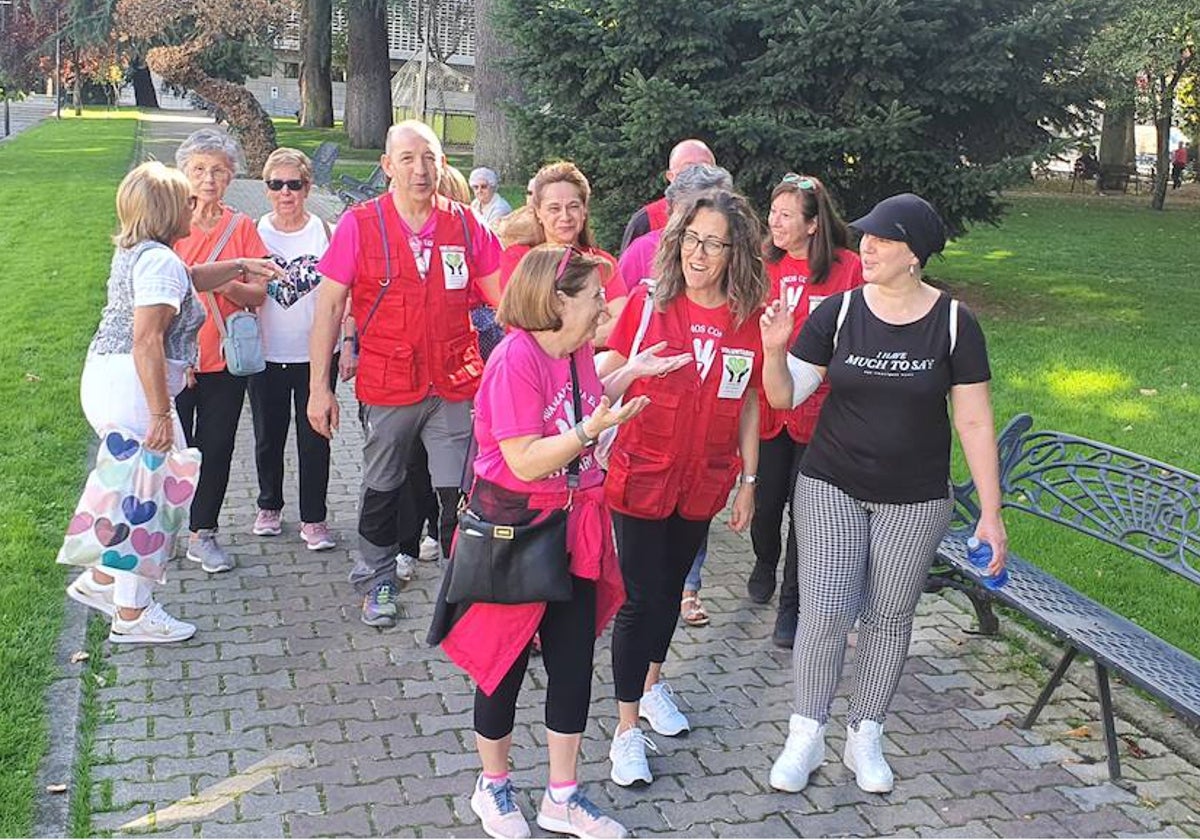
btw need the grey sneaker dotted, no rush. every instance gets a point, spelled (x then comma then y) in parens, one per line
(379, 605)
(205, 550)
(406, 568)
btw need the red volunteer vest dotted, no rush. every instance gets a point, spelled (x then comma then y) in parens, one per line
(657, 212)
(789, 280)
(420, 341)
(681, 453)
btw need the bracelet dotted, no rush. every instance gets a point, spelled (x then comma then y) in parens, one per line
(584, 440)
(349, 339)
(750, 479)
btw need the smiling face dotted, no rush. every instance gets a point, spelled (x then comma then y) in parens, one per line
(704, 250)
(209, 176)
(286, 203)
(885, 260)
(583, 313)
(562, 212)
(413, 164)
(790, 230)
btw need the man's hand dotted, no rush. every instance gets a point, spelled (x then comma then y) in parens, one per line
(323, 412)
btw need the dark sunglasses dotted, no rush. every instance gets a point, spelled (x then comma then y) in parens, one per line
(293, 184)
(800, 181)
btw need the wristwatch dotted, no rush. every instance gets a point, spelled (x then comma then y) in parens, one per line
(750, 479)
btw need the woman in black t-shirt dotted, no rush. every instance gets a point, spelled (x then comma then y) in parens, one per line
(872, 499)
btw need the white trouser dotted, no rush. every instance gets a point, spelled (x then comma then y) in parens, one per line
(111, 395)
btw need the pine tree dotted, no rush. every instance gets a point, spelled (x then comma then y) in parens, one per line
(952, 99)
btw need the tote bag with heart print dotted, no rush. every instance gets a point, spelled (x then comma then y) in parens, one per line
(134, 504)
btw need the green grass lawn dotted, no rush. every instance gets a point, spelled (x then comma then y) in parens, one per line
(57, 187)
(1090, 305)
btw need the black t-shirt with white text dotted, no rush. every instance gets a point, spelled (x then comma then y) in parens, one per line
(884, 431)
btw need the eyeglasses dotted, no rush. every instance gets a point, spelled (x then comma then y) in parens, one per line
(800, 181)
(217, 173)
(712, 247)
(293, 184)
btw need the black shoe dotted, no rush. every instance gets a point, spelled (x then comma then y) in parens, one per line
(761, 585)
(785, 627)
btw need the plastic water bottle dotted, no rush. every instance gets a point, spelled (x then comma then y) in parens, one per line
(979, 554)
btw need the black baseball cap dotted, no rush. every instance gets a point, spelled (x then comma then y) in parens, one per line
(906, 218)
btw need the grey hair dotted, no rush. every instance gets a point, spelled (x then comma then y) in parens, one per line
(697, 179)
(482, 173)
(211, 141)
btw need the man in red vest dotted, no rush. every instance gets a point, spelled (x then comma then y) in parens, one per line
(654, 215)
(412, 264)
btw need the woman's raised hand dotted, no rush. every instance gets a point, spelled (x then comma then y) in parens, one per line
(776, 326)
(605, 416)
(649, 363)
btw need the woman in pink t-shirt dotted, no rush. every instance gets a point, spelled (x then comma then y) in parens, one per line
(529, 435)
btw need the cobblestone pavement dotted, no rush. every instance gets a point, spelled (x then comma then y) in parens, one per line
(286, 716)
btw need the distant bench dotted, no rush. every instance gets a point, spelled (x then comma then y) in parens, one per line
(1148, 508)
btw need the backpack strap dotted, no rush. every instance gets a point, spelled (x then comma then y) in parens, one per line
(222, 241)
(841, 318)
(953, 324)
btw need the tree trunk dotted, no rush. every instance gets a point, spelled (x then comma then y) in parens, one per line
(495, 143)
(1162, 130)
(316, 62)
(144, 94)
(368, 74)
(1115, 131)
(77, 85)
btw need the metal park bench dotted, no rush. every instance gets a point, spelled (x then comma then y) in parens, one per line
(323, 160)
(354, 191)
(1147, 508)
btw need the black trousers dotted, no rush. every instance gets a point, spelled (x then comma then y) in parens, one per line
(275, 394)
(655, 555)
(568, 634)
(778, 465)
(422, 488)
(209, 413)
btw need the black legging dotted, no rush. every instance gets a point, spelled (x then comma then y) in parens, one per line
(568, 634)
(209, 414)
(655, 557)
(778, 464)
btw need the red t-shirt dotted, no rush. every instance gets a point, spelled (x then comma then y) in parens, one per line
(614, 285)
(195, 249)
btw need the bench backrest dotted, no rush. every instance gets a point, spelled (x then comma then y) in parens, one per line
(1144, 506)
(322, 162)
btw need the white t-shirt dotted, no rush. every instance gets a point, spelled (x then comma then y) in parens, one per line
(286, 316)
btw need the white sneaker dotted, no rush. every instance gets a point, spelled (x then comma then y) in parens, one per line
(154, 625)
(431, 550)
(496, 807)
(628, 757)
(803, 753)
(406, 568)
(98, 596)
(658, 707)
(864, 756)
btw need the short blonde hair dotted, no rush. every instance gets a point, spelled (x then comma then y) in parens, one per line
(153, 204)
(285, 156)
(453, 185)
(530, 301)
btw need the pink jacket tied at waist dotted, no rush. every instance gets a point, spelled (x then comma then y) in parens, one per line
(487, 640)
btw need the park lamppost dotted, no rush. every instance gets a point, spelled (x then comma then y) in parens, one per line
(5, 11)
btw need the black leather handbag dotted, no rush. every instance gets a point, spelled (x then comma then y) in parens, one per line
(514, 564)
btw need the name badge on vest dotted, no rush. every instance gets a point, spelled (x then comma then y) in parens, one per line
(736, 366)
(454, 266)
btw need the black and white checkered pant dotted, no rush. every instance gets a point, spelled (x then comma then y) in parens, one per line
(864, 561)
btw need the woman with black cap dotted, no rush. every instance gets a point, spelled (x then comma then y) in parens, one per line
(872, 498)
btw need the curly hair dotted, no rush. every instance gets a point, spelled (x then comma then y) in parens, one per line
(744, 281)
(831, 233)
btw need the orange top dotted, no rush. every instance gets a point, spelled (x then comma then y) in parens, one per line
(195, 249)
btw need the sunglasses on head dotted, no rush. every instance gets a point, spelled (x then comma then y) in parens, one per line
(293, 184)
(571, 251)
(800, 181)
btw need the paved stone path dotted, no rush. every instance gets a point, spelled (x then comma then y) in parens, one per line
(286, 716)
(24, 113)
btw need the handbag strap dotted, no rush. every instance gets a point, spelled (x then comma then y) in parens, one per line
(222, 241)
(573, 467)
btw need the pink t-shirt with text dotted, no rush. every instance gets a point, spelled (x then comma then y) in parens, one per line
(525, 392)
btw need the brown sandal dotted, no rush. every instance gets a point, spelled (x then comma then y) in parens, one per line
(692, 611)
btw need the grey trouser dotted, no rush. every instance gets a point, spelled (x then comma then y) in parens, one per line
(388, 518)
(864, 561)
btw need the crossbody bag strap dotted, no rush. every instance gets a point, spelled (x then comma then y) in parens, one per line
(222, 241)
(387, 271)
(644, 323)
(573, 467)
(953, 325)
(841, 318)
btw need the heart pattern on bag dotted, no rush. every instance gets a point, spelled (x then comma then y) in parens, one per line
(301, 278)
(176, 491)
(121, 447)
(146, 542)
(137, 511)
(117, 560)
(153, 460)
(183, 469)
(80, 523)
(110, 533)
